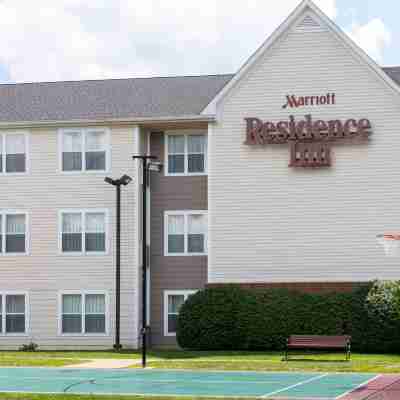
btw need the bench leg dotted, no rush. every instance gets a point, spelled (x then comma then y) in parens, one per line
(285, 355)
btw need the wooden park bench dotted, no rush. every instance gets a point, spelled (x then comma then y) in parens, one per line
(314, 342)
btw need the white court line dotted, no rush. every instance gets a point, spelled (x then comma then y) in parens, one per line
(314, 378)
(135, 380)
(357, 387)
(174, 395)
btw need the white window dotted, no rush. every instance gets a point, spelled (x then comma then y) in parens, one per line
(83, 231)
(13, 313)
(185, 233)
(84, 150)
(173, 300)
(13, 152)
(186, 154)
(13, 232)
(83, 313)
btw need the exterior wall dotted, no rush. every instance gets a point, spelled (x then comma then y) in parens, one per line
(271, 223)
(45, 271)
(171, 273)
(303, 287)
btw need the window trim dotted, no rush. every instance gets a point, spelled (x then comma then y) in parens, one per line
(83, 293)
(186, 293)
(3, 295)
(3, 153)
(185, 213)
(186, 134)
(3, 214)
(83, 212)
(83, 132)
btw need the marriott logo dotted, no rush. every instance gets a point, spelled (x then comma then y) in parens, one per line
(293, 101)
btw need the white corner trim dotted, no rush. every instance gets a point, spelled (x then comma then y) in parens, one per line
(136, 138)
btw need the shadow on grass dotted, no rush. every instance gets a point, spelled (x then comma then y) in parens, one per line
(317, 360)
(193, 355)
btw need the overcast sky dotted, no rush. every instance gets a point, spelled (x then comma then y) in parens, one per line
(51, 40)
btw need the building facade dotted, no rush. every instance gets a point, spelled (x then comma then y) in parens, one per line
(280, 175)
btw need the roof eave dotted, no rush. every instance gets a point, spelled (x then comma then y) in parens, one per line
(108, 121)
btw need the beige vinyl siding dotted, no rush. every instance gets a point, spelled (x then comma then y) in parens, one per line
(43, 192)
(271, 223)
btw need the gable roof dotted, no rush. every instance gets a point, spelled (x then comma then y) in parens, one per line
(306, 6)
(144, 99)
(167, 97)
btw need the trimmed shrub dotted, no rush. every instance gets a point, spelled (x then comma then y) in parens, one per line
(209, 319)
(230, 317)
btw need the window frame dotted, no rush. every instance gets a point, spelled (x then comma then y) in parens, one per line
(83, 132)
(186, 293)
(3, 228)
(3, 295)
(3, 153)
(185, 214)
(186, 172)
(83, 212)
(83, 294)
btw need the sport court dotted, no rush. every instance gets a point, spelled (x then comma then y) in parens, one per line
(268, 385)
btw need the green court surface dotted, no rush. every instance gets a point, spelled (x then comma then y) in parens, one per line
(268, 385)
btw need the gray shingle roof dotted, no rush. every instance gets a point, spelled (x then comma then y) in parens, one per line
(394, 73)
(115, 98)
(109, 99)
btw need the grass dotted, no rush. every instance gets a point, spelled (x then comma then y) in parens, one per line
(272, 361)
(57, 358)
(80, 355)
(23, 396)
(224, 360)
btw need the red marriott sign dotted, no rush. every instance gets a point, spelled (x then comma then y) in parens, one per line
(309, 140)
(293, 101)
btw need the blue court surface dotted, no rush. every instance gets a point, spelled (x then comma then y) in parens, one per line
(269, 385)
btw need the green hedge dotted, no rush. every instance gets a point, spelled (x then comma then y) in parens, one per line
(229, 317)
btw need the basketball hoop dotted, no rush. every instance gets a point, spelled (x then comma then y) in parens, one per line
(390, 243)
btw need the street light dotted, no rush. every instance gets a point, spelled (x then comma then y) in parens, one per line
(148, 164)
(123, 181)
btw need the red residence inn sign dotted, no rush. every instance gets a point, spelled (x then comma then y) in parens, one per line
(309, 140)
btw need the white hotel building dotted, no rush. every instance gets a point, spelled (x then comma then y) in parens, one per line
(279, 175)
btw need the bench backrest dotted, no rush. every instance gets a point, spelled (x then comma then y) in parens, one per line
(319, 339)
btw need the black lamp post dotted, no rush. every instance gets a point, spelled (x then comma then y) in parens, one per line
(123, 181)
(148, 164)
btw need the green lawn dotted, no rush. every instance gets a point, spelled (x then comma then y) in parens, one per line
(56, 358)
(226, 360)
(272, 361)
(17, 396)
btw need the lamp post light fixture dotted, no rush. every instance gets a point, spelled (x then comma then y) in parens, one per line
(148, 164)
(123, 181)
